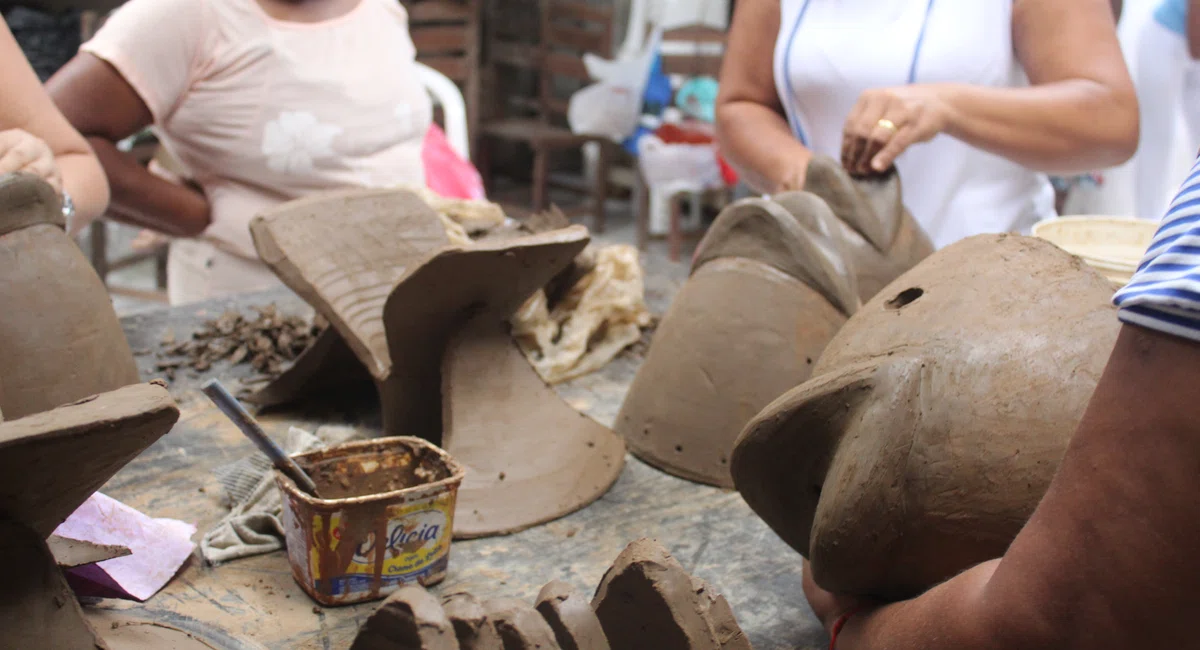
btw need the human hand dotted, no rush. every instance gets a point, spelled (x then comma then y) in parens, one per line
(828, 606)
(21, 151)
(887, 121)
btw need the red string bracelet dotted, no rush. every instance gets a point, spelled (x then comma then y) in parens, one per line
(838, 625)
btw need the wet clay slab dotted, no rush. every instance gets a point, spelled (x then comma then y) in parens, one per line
(489, 278)
(50, 463)
(343, 252)
(772, 279)
(647, 600)
(410, 619)
(935, 419)
(569, 614)
(59, 337)
(472, 626)
(530, 457)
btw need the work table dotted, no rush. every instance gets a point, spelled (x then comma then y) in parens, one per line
(710, 531)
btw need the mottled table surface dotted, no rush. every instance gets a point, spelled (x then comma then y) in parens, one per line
(711, 531)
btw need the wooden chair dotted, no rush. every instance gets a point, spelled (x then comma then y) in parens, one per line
(567, 29)
(447, 36)
(688, 51)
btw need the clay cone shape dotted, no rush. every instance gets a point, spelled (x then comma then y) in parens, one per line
(936, 418)
(51, 462)
(343, 252)
(472, 626)
(647, 600)
(410, 619)
(530, 457)
(59, 336)
(772, 282)
(520, 626)
(571, 617)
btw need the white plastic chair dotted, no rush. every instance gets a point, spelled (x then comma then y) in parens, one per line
(446, 94)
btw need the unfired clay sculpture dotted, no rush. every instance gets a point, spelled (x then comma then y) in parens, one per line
(372, 262)
(646, 600)
(935, 419)
(771, 283)
(59, 337)
(50, 463)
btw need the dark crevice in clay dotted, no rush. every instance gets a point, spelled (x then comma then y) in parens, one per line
(905, 298)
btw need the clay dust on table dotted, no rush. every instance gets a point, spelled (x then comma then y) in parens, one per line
(267, 342)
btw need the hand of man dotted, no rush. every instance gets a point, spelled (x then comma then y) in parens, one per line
(887, 121)
(21, 151)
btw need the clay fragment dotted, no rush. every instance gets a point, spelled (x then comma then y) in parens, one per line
(410, 619)
(935, 419)
(70, 553)
(472, 626)
(51, 462)
(646, 601)
(519, 625)
(569, 614)
(59, 336)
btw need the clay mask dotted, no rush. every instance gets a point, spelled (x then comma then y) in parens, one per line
(935, 419)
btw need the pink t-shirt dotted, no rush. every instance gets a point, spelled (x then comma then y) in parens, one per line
(262, 111)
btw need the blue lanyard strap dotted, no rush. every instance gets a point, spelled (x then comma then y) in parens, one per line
(792, 113)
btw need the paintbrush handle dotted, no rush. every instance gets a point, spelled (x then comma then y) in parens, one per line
(234, 410)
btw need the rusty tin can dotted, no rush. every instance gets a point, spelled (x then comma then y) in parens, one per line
(359, 548)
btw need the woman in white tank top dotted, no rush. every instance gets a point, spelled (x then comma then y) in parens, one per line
(940, 88)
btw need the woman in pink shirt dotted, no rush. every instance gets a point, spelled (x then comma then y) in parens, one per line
(261, 101)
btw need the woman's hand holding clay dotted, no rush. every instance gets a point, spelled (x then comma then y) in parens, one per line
(828, 606)
(886, 121)
(21, 151)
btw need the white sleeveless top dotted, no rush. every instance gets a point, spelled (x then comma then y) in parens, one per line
(829, 51)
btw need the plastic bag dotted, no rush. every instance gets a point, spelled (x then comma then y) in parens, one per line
(446, 172)
(612, 107)
(664, 163)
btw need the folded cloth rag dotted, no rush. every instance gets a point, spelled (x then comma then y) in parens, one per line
(254, 525)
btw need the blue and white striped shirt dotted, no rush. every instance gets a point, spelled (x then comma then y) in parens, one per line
(1164, 294)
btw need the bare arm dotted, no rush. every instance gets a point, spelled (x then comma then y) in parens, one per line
(1079, 114)
(753, 133)
(27, 107)
(1193, 28)
(106, 109)
(1108, 559)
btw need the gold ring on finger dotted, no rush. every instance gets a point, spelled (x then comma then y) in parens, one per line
(886, 124)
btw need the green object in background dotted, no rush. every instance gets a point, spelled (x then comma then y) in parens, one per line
(697, 97)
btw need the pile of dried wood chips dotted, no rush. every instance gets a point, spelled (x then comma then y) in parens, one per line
(266, 342)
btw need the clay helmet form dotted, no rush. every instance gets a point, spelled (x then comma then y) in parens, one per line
(59, 336)
(771, 283)
(935, 419)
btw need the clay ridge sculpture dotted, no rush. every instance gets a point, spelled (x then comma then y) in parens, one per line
(646, 601)
(773, 279)
(935, 419)
(59, 336)
(375, 264)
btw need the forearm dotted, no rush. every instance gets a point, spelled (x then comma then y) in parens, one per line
(759, 144)
(1066, 127)
(1193, 28)
(83, 178)
(142, 199)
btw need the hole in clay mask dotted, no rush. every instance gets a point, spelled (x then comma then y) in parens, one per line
(904, 298)
(679, 449)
